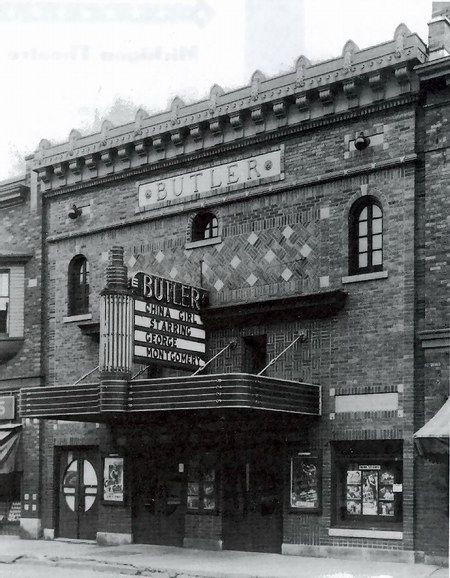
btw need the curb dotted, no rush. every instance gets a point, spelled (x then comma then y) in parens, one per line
(128, 569)
(93, 565)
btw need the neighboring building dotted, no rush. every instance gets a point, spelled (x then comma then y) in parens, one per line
(20, 346)
(293, 220)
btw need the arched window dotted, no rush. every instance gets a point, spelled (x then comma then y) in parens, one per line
(204, 226)
(78, 285)
(366, 236)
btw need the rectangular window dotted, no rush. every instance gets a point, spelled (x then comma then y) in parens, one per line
(202, 486)
(305, 483)
(369, 484)
(4, 302)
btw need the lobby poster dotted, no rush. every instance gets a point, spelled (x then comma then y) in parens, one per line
(305, 483)
(113, 476)
(370, 493)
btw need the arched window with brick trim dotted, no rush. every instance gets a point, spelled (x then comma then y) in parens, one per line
(204, 226)
(78, 278)
(366, 236)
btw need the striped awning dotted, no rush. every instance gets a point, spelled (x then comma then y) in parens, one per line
(9, 445)
(432, 440)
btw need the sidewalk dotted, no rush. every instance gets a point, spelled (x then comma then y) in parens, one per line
(168, 562)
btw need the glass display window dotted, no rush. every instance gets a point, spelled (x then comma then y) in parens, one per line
(201, 486)
(369, 486)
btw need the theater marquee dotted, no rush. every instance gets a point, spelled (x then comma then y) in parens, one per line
(222, 178)
(168, 329)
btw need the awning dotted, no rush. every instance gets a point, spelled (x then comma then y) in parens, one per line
(111, 399)
(432, 440)
(9, 445)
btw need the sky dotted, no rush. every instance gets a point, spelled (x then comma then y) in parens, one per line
(65, 62)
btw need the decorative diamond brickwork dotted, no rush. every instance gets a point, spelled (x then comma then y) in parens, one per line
(218, 285)
(251, 279)
(235, 262)
(266, 256)
(269, 256)
(173, 272)
(287, 274)
(305, 250)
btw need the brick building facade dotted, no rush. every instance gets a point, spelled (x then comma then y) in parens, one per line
(20, 347)
(311, 208)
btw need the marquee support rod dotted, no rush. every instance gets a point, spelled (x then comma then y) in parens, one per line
(141, 371)
(301, 338)
(86, 375)
(231, 344)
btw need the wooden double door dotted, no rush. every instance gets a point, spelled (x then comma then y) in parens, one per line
(159, 497)
(79, 493)
(252, 500)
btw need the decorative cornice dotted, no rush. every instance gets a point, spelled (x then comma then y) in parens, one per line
(15, 258)
(13, 192)
(436, 69)
(260, 100)
(280, 108)
(236, 120)
(266, 137)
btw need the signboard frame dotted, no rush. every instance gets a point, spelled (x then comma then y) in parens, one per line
(7, 407)
(168, 329)
(114, 480)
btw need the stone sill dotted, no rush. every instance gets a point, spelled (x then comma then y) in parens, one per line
(77, 318)
(203, 243)
(365, 277)
(432, 339)
(358, 533)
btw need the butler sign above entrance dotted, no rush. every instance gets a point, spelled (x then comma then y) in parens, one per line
(243, 173)
(168, 329)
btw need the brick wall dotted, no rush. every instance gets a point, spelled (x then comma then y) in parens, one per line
(21, 233)
(432, 377)
(292, 241)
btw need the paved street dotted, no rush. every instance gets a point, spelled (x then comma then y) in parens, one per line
(34, 571)
(36, 558)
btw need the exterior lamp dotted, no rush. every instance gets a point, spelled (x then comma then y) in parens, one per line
(74, 212)
(361, 142)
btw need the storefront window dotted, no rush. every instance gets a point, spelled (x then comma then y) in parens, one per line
(369, 485)
(202, 487)
(305, 483)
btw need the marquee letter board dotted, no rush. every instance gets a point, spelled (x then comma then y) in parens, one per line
(168, 329)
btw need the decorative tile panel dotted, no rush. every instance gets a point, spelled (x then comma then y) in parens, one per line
(251, 279)
(235, 262)
(218, 285)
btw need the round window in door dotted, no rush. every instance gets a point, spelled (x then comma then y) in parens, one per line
(80, 485)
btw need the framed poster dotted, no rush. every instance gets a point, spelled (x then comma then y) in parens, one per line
(113, 480)
(305, 484)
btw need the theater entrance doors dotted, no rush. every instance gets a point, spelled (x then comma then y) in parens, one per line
(79, 493)
(159, 498)
(252, 500)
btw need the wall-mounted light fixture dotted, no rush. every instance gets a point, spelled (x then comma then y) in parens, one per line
(361, 142)
(74, 212)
